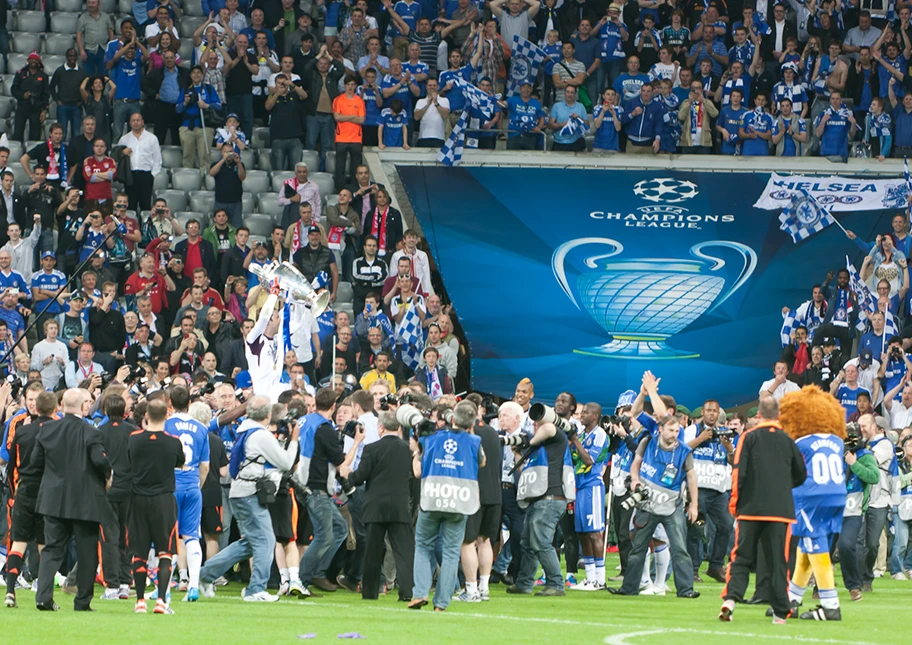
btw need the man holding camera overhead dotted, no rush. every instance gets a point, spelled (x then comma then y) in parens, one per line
(713, 454)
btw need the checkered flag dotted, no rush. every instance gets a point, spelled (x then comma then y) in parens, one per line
(789, 324)
(574, 126)
(524, 62)
(451, 152)
(410, 337)
(905, 174)
(804, 216)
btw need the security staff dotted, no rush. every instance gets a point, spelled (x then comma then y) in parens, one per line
(661, 466)
(712, 457)
(545, 485)
(75, 473)
(447, 463)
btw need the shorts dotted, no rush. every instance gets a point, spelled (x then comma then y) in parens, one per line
(152, 520)
(189, 512)
(27, 523)
(211, 520)
(659, 535)
(589, 510)
(817, 523)
(284, 514)
(330, 31)
(303, 526)
(485, 522)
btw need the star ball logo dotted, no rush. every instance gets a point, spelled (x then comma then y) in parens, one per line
(666, 189)
(450, 446)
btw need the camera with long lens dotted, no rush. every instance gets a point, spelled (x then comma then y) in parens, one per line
(610, 421)
(239, 395)
(15, 386)
(853, 436)
(106, 378)
(409, 416)
(387, 401)
(546, 414)
(446, 415)
(135, 373)
(637, 496)
(519, 440)
(285, 425)
(490, 408)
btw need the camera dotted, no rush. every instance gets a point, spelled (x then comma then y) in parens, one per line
(608, 422)
(722, 433)
(896, 353)
(446, 416)
(387, 401)
(135, 373)
(519, 440)
(159, 211)
(15, 386)
(285, 425)
(546, 414)
(853, 436)
(106, 378)
(490, 408)
(351, 428)
(409, 416)
(637, 496)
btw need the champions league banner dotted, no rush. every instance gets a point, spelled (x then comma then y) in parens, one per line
(583, 279)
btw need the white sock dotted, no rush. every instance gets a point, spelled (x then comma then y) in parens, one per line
(600, 571)
(283, 573)
(293, 574)
(483, 582)
(194, 563)
(663, 559)
(645, 579)
(590, 570)
(471, 587)
(152, 562)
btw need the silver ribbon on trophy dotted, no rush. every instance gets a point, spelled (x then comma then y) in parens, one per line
(641, 302)
(294, 284)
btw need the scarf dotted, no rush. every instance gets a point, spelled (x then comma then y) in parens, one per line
(378, 228)
(60, 170)
(296, 236)
(574, 126)
(434, 389)
(842, 308)
(802, 360)
(880, 125)
(696, 121)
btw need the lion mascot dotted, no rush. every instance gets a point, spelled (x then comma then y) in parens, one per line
(816, 422)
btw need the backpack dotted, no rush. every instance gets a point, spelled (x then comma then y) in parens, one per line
(239, 454)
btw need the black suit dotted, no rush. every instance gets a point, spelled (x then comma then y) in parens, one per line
(386, 467)
(72, 500)
(768, 44)
(4, 215)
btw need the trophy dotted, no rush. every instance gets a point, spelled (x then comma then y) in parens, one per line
(294, 284)
(644, 301)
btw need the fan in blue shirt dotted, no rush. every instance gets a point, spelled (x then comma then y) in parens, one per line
(525, 113)
(757, 129)
(629, 83)
(393, 126)
(448, 87)
(834, 127)
(607, 117)
(729, 124)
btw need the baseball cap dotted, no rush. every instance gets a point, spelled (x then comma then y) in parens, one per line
(142, 323)
(626, 399)
(682, 410)
(882, 423)
(752, 412)
(790, 65)
(314, 229)
(829, 340)
(232, 115)
(34, 56)
(243, 380)
(865, 357)
(697, 412)
(48, 254)
(78, 295)
(525, 81)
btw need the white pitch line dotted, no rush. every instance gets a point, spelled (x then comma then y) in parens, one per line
(621, 639)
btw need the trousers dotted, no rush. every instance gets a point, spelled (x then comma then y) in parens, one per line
(115, 565)
(402, 543)
(752, 539)
(57, 532)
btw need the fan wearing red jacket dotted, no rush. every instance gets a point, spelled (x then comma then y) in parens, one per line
(146, 281)
(99, 171)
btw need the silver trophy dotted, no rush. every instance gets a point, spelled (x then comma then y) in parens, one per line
(294, 284)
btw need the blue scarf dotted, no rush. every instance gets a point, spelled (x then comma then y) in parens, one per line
(696, 120)
(434, 389)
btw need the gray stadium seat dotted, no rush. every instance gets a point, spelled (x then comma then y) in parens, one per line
(267, 204)
(259, 224)
(184, 216)
(19, 173)
(193, 8)
(202, 201)
(15, 62)
(263, 160)
(6, 107)
(325, 182)
(109, 6)
(279, 177)
(51, 63)
(177, 199)
(33, 22)
(214, 155)
(331, 161)
(186, 179)
(260, 138)
(312, 159)
(69, 6)
(332, 200)
(162, 180)
(25, 42)
(248, 157)
(257, 181)
(248, 203)
(172, 157)
(346, 307)
(16, 150)
(189, 24)
(186, 49)
(63, 23)
(125, 6)
(8, 84)
(344, 293)
(210, 183)
(58, 44)
(2, 65)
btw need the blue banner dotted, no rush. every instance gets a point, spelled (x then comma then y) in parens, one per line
(582, 279)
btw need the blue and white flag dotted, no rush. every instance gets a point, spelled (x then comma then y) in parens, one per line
(574, 126)
(867, 304)
(451, 152)
(804, 216)
(807, 315)
(907, 176)
(524, 62)
(410, 338)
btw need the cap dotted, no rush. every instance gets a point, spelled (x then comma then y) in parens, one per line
(78, 295)
(882, 423)
(614, 7)
(865, 357)
(48, 254)
(697, 412)
(34, 56)
(243, 380)
(525, 81)
(752, 412)
(682, 410)
(142, 323)
(790, 65)
(626, 399)
(99, 254)
(829, 340)
(320, 280)
(314, 229)
(232, 115)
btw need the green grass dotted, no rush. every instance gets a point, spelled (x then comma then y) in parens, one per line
(579, 617)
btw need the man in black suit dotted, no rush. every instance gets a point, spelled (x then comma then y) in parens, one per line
(162, 109)
(75, 474)
(9, 203)
(386, 469)
(781, 29)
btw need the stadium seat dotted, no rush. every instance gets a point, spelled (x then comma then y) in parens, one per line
(69, 6)
(33, 22)
(177, 199)
(109, 6)
(2, 66)
(15, 62)
(193, 8)
(210, 182)
(346, 307)
(186, 49)
(8, 83)
(325, 182)
(202, 201)
(16, 150)
(19, 173)
(344, 292)
(267, 204)
(257, 181)
(6, 108)
(259, 224)
(184, 216)
(51, 63)
(189, 24)
(263, 160)
(260, 138)
(312, 159)
(248, 203)
(125, 6)
(172, 157)
(58, 44)
(63, 23)
(186, 179)
(162, 180)
(248, 157)
(279, 177)
(25, 42)
(331, 161)
(332, 200)
(215, 154)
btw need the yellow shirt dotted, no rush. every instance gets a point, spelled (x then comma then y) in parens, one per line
(373, 375)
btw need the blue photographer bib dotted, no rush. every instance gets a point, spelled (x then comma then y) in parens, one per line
(662, 472)
(309, 427)
(711, 465)
(449, 472)
(533, 480)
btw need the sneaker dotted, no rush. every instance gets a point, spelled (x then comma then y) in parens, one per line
(878, 574)
(193, 594)
(161, 607)
(779, 621)
(11, 601)
(22, 583)
(34, 586)
(585, 585)
(220, 582)
(183, 585)
(154, 595)
(465, 596)
(207, 589)
(794, 606)
(647, 590)
(660, 591)
(261, 596)
(616, 579)
(866, 588)
(295, 588)
(551, 591)
(111, 594)
(725, 613)
(140, 607)
(123, 592)
(541, 581)
(855, 594)
(283, 588)
(908, 573)
(899, 576)
(693, 594)
(347, 583)
(59, 579)
(821, 613)
(570, 580)
(485, 594)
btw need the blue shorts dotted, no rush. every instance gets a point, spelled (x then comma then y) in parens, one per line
(589, 509)
(189, 512)
(818, 523)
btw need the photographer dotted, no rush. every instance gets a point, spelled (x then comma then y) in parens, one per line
(229, 173)
(321, 454)
(861, 473)
(385, 471)
(881, 493)
(713, 454)
(509, 423)
(663, 463)
(447, 462)
(250, 491)
(903, 516)
(545, 486)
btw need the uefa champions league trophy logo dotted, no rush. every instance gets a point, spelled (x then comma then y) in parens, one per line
(642, 302)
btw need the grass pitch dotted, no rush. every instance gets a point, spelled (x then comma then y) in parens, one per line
(578, 618)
